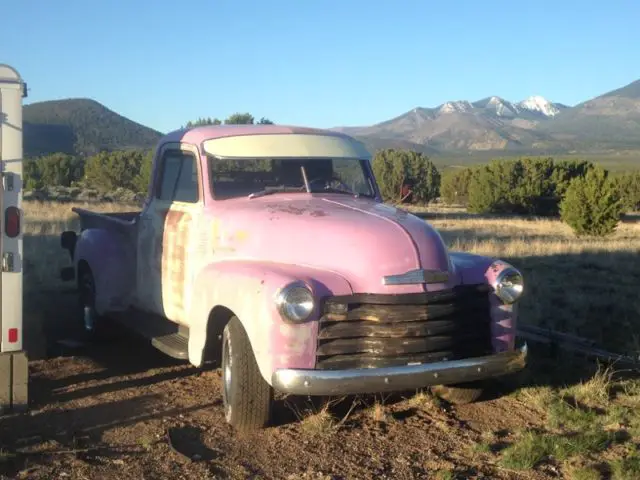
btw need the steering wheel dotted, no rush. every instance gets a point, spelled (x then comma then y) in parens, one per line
(326, 187)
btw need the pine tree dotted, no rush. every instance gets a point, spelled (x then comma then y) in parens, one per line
(592, 205)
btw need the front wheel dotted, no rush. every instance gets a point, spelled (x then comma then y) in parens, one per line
(247, 397)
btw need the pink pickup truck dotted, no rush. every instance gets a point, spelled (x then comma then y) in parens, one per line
(267, 250)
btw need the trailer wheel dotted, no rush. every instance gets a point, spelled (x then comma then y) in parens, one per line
(92, 324)
(460, 394)
(247, 397)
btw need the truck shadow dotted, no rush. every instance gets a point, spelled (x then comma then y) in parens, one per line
(122, 361)
(80, 432)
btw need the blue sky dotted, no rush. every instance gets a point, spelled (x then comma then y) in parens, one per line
(317, 63)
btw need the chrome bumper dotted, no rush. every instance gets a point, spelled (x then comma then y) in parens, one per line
(407, 377)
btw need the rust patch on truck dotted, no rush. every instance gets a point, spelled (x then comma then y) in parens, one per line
(175, 243)
(292, 210)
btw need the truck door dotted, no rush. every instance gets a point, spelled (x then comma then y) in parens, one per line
(165, 237)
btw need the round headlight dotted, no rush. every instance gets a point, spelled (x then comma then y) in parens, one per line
(509, 285)
(295, 302)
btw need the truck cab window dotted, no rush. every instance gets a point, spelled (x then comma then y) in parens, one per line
(179, 180)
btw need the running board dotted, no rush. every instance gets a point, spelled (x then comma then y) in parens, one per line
(168, 337)
(174, 345)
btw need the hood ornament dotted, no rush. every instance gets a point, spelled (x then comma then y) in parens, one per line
(418, 276)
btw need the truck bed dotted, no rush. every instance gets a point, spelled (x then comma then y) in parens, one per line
(119, 221)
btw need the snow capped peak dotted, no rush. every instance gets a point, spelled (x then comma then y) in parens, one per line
(451, 107)
(540, 104)
(501, 107)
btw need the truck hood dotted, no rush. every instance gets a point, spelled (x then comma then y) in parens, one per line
(360, 239)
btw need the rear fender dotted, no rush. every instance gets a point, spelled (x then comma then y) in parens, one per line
(112, 262)
(248, 289)
(477, 269)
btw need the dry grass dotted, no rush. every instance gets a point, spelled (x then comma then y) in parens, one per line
(44, 222)
(593, 392)
(577, 285)
(321, 421)
(582, 473)
(425, 400)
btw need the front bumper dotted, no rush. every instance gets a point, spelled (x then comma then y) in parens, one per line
(407, 377)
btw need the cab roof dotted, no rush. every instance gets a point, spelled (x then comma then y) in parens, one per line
(197, 135)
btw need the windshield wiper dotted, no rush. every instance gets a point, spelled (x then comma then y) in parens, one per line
(336, 190)
(270, 190)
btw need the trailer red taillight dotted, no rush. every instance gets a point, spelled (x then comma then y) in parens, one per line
(12, 335)
(12, 222)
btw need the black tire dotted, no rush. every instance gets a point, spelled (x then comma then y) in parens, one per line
(87, 299)
(460, 394)
(247, 397)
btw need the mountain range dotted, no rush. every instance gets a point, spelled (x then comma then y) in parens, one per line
(535, 125)
(608, 122)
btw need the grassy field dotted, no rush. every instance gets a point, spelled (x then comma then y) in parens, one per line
(619, 161)
(561, 419)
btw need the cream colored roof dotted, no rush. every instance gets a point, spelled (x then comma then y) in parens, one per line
(286, 145)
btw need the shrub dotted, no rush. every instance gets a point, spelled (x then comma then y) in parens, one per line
(497, 188)
(629, 188)
(57, 169)
(454, 187)
(566, 170)
(592, 204)
(393, 168)
(523, 186)
(108, 171)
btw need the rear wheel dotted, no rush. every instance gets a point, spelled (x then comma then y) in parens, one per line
(460, 394)
(247, 397)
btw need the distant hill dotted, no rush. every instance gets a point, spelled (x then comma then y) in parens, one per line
(80, 126)
(608, 122)
(533, 126)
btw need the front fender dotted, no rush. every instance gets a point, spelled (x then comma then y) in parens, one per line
(474, 269)
(248, 289)
(112, 263)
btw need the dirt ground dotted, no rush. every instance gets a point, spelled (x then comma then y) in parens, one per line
(124, 410)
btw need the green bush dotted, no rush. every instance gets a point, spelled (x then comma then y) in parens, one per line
(629, 188)
(393, 168)
(128, 169)
(566, 170)
(523, 186)
(57, 169)
(498, 187)
(592, 205)
(454, 187)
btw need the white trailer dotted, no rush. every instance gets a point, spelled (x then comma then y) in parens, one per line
(13, 359)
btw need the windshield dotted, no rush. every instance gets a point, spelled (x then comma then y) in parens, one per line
(232, 178)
